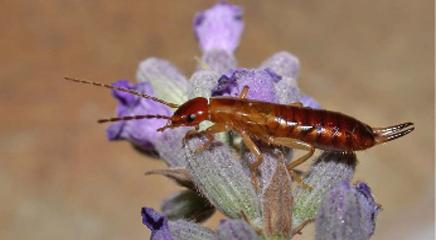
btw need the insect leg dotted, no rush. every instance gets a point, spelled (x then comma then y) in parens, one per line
(300, 227)
(294, 143)
(296, 104)
(209, 133)
(255, 150)
(244, 92)
(297, 178)
(296, 175)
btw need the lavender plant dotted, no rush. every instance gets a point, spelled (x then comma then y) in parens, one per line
(219, 178)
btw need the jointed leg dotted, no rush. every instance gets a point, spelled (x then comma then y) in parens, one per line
(300, 227)
(209, 133)
(297, 178)
(296, 104)
(244, 92)
(296, 175)
(258, 155)
(294, 143)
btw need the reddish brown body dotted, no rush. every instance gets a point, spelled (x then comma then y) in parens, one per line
(267, 122)
(323, 129)
(276, 124)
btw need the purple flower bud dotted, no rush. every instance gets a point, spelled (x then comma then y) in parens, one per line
(139, 132)
(219, 27)
(167, 81)
(157, 223)
(260, 82)
(283, 63)
(347, 212)
(368, 203)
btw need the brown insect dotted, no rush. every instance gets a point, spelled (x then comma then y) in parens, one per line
(291, 125)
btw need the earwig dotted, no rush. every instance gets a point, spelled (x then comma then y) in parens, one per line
(292, 125)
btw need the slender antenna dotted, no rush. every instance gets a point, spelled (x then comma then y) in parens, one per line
(133, 117)
(171, 105)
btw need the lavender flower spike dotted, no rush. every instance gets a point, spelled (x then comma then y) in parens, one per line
(157, 223)
(219, 27)
(346, 212)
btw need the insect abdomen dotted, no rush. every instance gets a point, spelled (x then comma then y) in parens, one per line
(324, 129)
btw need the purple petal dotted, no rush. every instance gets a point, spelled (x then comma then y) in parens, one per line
(219, 27)
(114, 131)
(225, 86)
(142, 133)
(124, 98)
(260, 83)
(157, 223)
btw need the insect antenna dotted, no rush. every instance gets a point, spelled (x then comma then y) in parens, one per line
(133, 92)
(133, 117)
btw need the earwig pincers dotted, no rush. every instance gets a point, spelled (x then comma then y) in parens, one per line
(274, 124)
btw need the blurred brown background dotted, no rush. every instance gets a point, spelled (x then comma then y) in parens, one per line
(61, 179)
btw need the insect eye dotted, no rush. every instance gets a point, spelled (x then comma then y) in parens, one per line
(191, 117)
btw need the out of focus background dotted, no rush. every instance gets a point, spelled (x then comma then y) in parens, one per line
(61, 179)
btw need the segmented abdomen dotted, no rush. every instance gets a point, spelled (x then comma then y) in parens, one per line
(324, 129)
